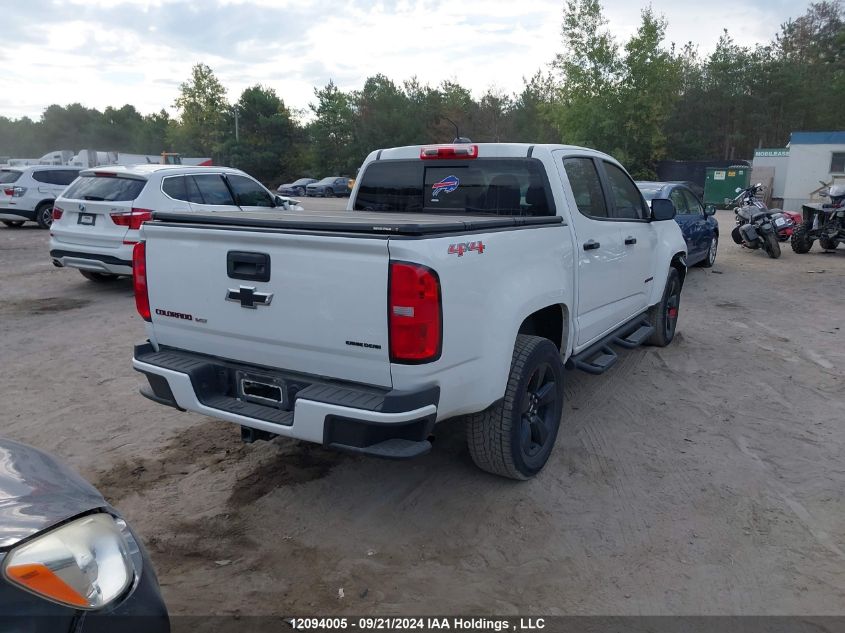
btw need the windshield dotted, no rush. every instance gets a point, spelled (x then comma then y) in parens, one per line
(303, 181)
(110, 188)
(489, 186)
(327, 181)
(8, 176)
(650, 194)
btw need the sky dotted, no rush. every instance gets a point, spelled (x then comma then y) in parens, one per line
(112, 52)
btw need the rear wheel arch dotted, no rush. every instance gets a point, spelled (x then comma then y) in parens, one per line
(551, 322)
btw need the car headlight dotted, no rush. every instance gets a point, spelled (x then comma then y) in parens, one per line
(85, 564)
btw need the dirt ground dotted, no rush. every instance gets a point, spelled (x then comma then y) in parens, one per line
(703, 478)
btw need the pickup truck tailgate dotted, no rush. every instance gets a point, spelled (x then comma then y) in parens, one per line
(327, 315)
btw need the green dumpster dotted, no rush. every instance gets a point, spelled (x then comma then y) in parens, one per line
(721, 182)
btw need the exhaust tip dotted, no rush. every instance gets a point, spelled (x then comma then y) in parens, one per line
(58, 264)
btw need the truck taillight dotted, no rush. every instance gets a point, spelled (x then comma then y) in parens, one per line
(132, 219)
(139, 280)
(449, 151)
(414, 313)
(57, 213)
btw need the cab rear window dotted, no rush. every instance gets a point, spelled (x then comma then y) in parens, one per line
(486, 186)
(109, 188)
(8, 176)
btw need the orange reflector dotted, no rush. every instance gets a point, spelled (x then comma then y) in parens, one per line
(38, 578)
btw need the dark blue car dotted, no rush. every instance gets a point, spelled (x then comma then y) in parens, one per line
(697, 222)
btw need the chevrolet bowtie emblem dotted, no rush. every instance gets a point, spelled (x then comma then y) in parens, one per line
(248, 297)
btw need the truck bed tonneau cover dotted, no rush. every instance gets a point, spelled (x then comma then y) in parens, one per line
(357, 221)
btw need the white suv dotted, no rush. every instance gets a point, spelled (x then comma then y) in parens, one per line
(96, 221)
(27, 193)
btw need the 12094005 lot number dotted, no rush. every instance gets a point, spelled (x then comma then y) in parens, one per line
(306, 624)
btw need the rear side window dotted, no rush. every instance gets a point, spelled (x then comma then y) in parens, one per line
(61, 177)
(110, 188)
(626, 197)
(586, 186)
(490, 186)
(213, 190)
(249, 193)
(7, 176)
(182, 188)
(47, 177)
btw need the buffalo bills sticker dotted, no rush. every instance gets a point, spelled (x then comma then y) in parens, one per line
(447, 185)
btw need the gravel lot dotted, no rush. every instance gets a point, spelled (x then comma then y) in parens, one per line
(703, 478)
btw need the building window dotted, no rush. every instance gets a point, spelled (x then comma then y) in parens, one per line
(837, 163)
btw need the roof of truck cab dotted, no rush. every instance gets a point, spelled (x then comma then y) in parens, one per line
(485, 150)
(146, 170)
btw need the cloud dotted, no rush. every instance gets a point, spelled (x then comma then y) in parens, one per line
(111, 52)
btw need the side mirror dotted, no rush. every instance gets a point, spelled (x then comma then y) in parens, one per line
(281, 202)
(662, 209)
(710, 209)
(738, 189)
(759, 185)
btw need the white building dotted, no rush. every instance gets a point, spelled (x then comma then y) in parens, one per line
(810, 159)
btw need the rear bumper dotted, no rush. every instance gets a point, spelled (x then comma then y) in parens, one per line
(341, 415)
(114, 263)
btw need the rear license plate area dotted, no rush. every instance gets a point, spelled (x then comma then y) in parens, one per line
(260, 389)
(87, 219)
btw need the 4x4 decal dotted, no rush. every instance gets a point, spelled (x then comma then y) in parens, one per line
(460, 249)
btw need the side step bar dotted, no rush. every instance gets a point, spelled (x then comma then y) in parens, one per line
(600, 357)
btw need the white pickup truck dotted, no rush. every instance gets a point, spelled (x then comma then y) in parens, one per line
(460, 281)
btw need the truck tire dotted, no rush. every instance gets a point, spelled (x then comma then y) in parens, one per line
(99, 278)
(828, 244)
(44, 215)
(801, 241)
(514, 437)
(664, 315)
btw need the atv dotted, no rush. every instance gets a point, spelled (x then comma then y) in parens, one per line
(822, 222)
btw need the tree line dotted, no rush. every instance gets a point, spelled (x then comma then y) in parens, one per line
(642, 100)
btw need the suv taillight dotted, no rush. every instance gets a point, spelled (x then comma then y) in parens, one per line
(139, 280)
(132, 219)
(414, 313)
(57, 213)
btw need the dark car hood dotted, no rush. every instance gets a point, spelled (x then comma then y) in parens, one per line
(37, 491)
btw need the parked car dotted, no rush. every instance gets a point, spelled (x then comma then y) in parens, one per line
(69, 561)
(27, 193)
(494, 265)
(96, 221)
(295, 188)
(329, 187)
(697, 221)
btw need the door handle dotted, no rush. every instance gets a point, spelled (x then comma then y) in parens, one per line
(630, 240)
(591, 245)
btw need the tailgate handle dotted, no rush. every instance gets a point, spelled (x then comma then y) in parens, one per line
(249, 266)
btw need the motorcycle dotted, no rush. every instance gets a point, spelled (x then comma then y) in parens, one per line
(756, 225)
(822, 222)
